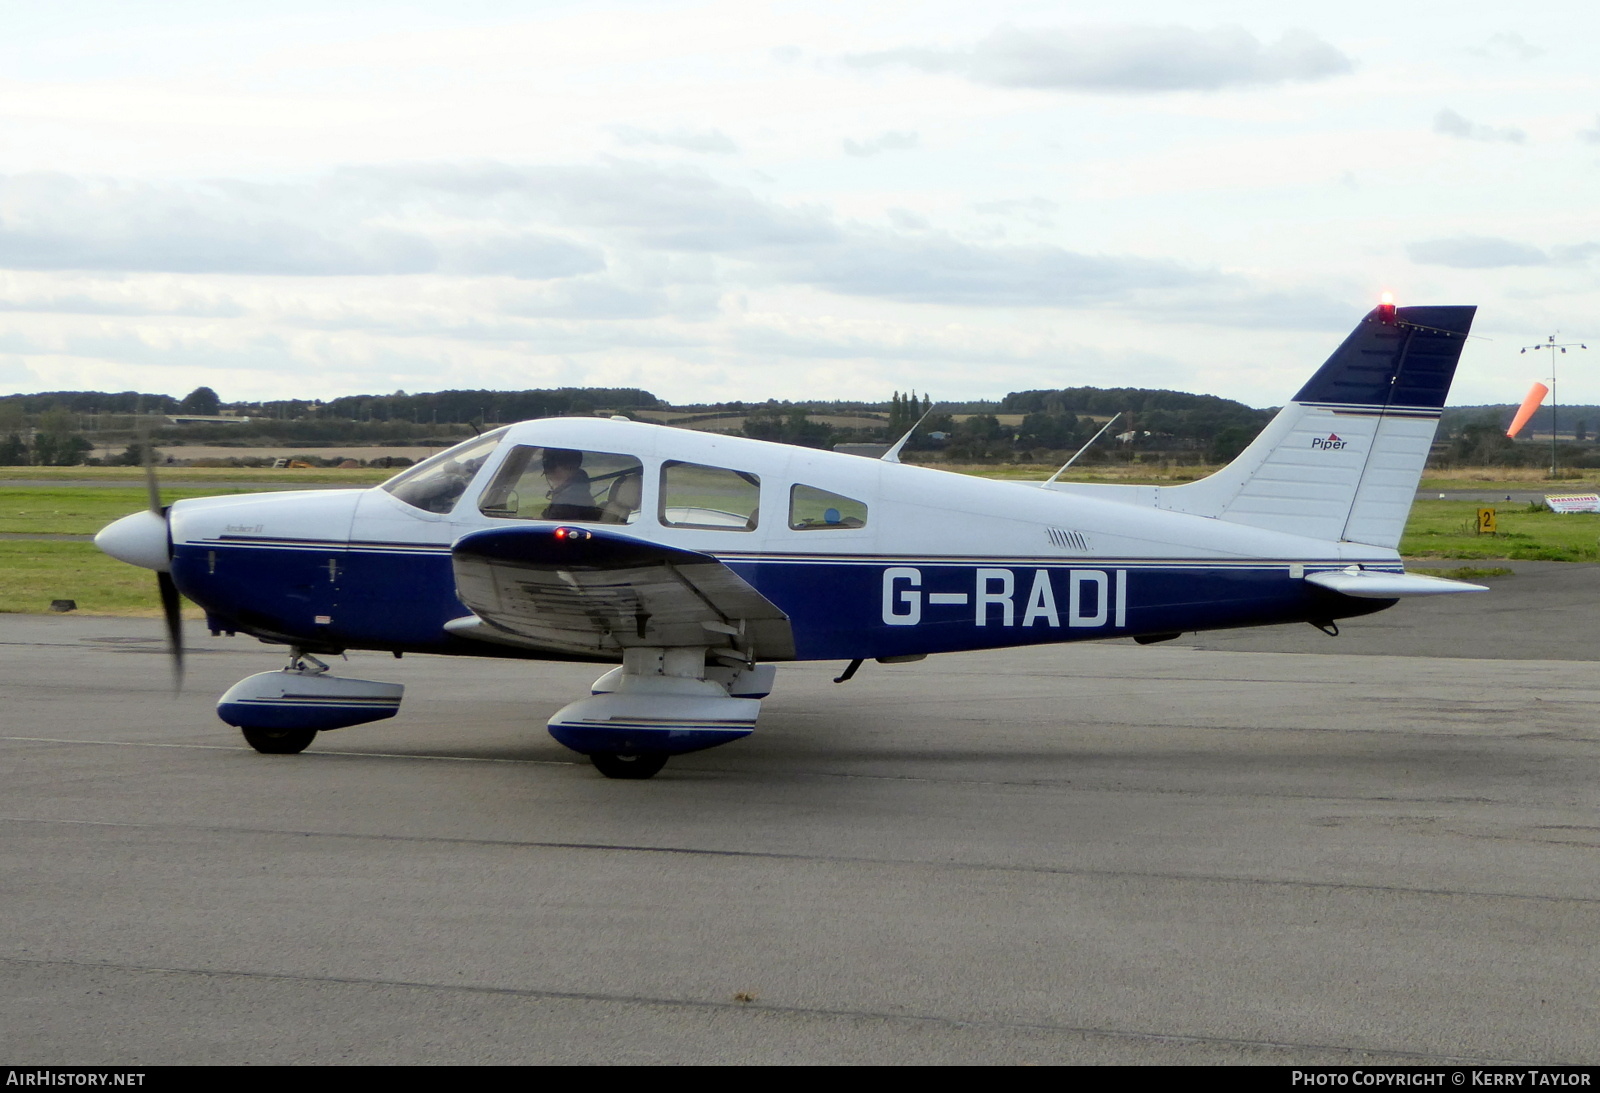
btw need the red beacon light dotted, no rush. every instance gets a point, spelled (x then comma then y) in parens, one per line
(1386, 308)
(563, 534)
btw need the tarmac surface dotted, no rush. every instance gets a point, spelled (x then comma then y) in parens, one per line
(1381, 849)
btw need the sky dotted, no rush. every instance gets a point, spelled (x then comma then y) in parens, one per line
(794, 200)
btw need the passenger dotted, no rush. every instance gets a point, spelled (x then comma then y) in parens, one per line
(571, 495)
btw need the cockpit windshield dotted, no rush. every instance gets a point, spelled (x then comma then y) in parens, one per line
(436, 484)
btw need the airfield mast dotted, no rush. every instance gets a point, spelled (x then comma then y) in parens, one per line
(1551, 344)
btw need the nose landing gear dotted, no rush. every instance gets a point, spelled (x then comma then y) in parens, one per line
(280, 713)
(646, 764)
(278, 741)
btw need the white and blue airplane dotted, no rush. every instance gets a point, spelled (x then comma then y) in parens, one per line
(694, 562)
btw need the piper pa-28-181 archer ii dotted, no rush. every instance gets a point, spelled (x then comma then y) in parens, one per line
(698, 560)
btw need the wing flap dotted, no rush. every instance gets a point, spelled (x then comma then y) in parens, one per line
(588, 590)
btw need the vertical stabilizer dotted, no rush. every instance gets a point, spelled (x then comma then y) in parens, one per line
(1342, 460)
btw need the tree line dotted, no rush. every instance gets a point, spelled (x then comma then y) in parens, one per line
(53, 428)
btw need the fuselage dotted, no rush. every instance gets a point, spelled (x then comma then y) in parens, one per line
(867, 558)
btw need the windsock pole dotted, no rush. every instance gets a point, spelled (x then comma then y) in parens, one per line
(1551, 344)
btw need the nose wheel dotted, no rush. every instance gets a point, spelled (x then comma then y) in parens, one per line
(283, 741)
(645, 764)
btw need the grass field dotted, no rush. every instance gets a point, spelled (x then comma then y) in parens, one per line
(258, 478)
(34, 572)
(1517, 478)
(1446, 529)
(80, 510)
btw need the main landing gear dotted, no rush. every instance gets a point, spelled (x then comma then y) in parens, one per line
(662, 702)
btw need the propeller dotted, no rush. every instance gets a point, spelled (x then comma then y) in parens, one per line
(144, 539)
(171, 603)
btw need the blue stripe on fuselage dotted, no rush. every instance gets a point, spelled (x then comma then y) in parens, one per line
(839, 608)
(878, 610)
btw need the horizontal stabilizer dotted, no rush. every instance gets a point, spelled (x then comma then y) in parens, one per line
(1366, 584)
(588, 590)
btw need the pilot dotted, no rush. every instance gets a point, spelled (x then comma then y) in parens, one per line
(571, 495)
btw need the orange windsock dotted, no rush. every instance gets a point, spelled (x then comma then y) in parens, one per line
(1529, 405)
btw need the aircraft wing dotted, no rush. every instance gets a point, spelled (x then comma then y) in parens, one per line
(593, 591)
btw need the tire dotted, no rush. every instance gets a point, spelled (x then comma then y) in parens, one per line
(278, 741)
(646, 764)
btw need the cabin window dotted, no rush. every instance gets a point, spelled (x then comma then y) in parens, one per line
(693, 496)
(565, 484)
(436, 484)
(811, 509)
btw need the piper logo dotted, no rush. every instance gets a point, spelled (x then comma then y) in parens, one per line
(1331, 443)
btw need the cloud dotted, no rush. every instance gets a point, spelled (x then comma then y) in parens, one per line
(686, 211)
(1574, 253)
(1039, 211)
(711, 141)
(654, 206)
(1237, 302)
(938, 268)
(906, 220)
(1591, 136)
(589, 298)
(608, 298)
(524, 254)
(1450, 124)
(659, 227)
(1126, 59)
(120, 300)
(1488, 252)
(209, 347)
(770, 335)
(891, 141)
(60, 222)
(1476, 252)
(1508, 43)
